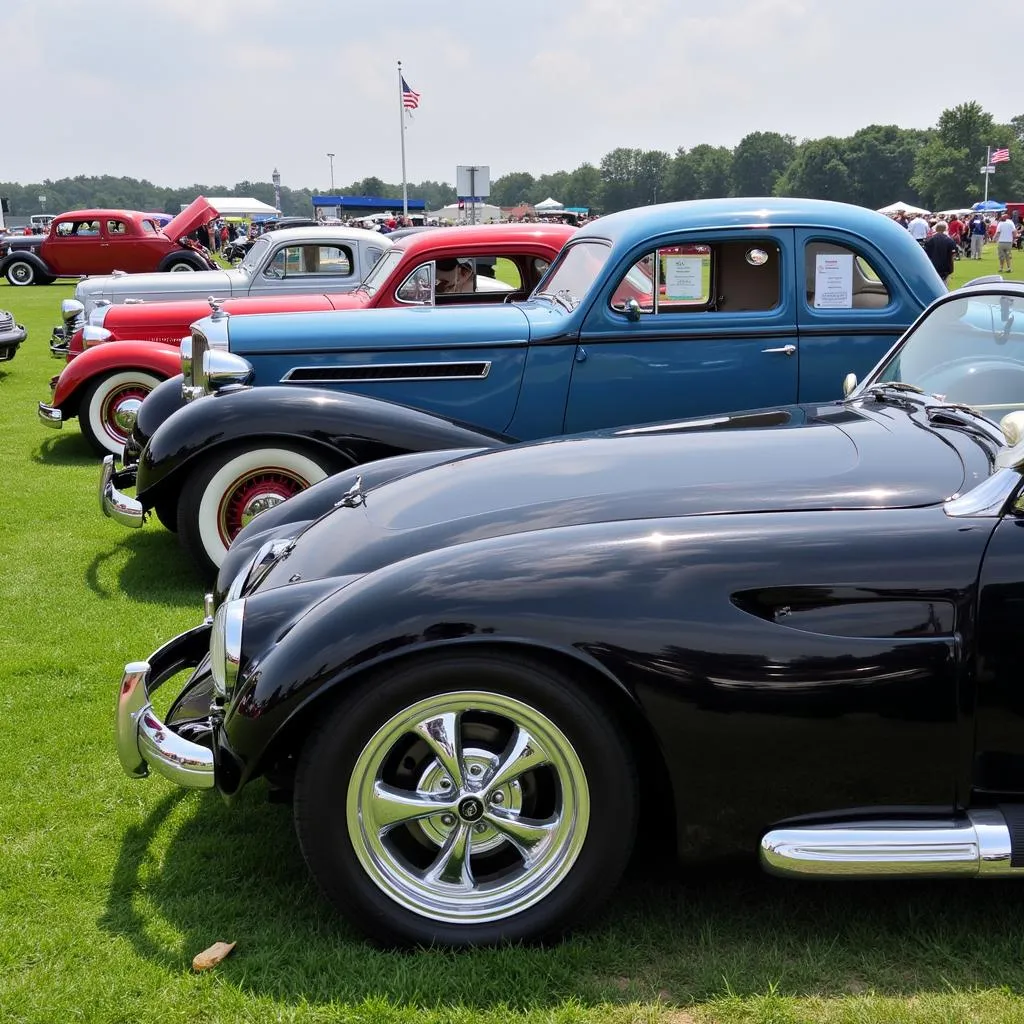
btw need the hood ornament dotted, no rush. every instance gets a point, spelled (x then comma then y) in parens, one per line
(216, 313)
(353, 496)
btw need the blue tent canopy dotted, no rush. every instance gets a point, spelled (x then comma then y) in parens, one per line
(989, 205)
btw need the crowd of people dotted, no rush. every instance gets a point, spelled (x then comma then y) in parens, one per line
(947, 241)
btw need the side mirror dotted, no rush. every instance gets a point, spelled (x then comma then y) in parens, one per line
(632, 309)
(849, 383)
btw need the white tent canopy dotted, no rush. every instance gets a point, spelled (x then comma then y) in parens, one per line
(548, 204)
(239, 206)
(905, 207)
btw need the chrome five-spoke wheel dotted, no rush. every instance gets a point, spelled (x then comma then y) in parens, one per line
(468, 807)
(466, 799)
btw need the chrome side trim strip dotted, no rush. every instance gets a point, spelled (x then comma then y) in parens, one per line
(978, 845)
(473, 370)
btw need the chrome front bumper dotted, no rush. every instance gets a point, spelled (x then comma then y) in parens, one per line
(50, 417)
(115, 505)
(143, 741)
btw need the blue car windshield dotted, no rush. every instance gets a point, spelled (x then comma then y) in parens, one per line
(968, 350)
(575, 272)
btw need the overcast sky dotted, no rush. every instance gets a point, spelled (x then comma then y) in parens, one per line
(220, 91)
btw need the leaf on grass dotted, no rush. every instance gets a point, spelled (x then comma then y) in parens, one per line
(212, 956)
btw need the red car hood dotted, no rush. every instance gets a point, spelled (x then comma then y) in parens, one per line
(197, 213)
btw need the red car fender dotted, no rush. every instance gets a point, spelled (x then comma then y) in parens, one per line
(161, 360)
(76, 346)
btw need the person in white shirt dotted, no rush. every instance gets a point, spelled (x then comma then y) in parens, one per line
(1006, 234)
(918, 228)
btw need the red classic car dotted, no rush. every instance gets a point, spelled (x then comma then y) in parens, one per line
(104, 384)
(102, 241)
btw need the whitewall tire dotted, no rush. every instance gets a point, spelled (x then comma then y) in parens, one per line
(231, 489)
(109, 407)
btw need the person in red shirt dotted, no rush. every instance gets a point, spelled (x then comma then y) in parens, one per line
(955, 230)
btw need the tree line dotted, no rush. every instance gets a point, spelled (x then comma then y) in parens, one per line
(937, 168)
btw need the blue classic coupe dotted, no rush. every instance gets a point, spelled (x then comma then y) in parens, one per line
(686, 309)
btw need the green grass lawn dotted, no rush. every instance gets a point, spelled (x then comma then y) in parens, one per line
(108, 887)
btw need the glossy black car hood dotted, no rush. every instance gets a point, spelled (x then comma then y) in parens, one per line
(796, 458)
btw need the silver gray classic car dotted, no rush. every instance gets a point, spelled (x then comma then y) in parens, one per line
(299, 260)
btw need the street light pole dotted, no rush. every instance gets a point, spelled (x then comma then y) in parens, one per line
(330, 156)
(276, 179)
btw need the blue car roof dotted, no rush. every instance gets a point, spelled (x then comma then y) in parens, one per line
(630, 227)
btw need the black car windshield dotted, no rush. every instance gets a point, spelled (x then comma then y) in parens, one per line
(254, 257)
(381, 270)
(967, 350)
(574, 273)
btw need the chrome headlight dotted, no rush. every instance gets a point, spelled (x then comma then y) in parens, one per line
(222, 369)
(70, 311)
(226, 646)
(94, 335)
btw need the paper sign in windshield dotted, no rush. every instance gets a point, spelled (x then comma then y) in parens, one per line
(833, 281)
(683, 277)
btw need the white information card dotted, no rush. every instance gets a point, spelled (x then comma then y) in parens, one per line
(833, 281)
(683, 277)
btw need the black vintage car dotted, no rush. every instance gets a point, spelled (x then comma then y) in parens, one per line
(792, 631)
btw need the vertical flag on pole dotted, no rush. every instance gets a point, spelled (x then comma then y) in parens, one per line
(410, 99)
(407, 100)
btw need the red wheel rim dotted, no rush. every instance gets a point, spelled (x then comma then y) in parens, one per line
(252, 493)
(114, 408)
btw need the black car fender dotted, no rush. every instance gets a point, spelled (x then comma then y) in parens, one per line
(27, 256)
(529, 597)
(352, 427)
(289, 518)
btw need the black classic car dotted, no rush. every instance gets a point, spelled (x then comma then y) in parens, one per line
(791, 631)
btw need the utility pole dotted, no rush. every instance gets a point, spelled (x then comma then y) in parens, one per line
(330, 156)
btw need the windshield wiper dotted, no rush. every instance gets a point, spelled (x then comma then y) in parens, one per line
(563, 297)
(889, 390)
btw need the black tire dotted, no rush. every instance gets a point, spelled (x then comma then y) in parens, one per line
(177, 264)
(21, 273)
(213, 504)
(167, 514)
(571, 876)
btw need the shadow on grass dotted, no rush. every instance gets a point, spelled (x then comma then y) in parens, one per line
(60, 449)
(156, 571)
(236, 874)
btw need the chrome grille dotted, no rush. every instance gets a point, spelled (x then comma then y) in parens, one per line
(6, 320)
(200, 346)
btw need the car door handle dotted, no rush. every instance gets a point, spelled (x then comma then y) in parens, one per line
(786, 350)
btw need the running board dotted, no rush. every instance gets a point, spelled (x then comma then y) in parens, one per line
(987, 843)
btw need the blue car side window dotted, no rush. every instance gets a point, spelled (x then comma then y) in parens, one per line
(737, 275)
(839, 278)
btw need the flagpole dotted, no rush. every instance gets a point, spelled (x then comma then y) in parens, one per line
(988, 164)
(401, 115)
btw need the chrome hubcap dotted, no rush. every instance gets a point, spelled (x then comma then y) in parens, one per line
(468, 807)
(257, 504)
(125, 413)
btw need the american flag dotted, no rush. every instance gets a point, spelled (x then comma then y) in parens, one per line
(1000, 156)
(411, 100)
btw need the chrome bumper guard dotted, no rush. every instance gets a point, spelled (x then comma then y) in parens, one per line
(59, 344)
(143, 741)
(116, 505)
(50, 417)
